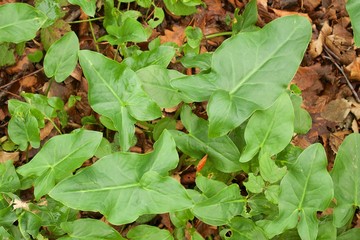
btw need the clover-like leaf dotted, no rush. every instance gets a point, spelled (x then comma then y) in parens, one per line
(115, 92)
(269, 130)
(19, 22)
(222, 151)
(124, 186)
(61, 58)
(244, 68)
(346, 178)
(305, 189)
(59, 157)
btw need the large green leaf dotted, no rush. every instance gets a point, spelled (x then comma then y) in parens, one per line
(346, 178)
(156, 82)
(222, 151)
(124, 186)
(218, 203)
(90, 229)
(305, 189)
(115, 92)
(353, 8)
(269, 130)
(19, 22)
(61, 58)
(146, 232)
(244, 69)
(59, 157)
(9, 180)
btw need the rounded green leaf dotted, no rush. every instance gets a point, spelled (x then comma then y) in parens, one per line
(146, 232)
(61, 58)
(19, 22)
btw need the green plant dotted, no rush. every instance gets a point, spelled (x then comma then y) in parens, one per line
(252, 118)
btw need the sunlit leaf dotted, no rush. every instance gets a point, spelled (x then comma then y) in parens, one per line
(305, 189)
(19, 22)
(61, 58)
(145, 232)
(115, 92)
(244, 68)
(124, 186)
(54, 163)
(345, 175)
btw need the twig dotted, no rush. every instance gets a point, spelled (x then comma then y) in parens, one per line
(341, 69)
(16, 80)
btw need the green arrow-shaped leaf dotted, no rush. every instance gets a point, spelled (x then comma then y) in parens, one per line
(123, 186)
(346, 177)
(245, 68)
(59, 157)
(115, 92)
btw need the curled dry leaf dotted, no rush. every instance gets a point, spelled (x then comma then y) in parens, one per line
(4, 156)
(316, 46)
(342, 47)
(283, 13)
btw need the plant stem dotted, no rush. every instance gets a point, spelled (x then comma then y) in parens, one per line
(87, 20)
(55, 126)
(48, 88)
(214, 35)
(93, 35)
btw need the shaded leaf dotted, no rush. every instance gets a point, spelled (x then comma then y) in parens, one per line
(62, 56)
(54, 32)
(53, 163)
(305, 189)
(179, 8)
(115, 92)
(88, 6)
(91, 229)
(19, 22)
(124, 186)
(51, 9)
(345, 175)
(221, 151)
(242, 228)
(243, 70)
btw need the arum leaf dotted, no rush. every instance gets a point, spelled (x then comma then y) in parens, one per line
(269, 170)
(303, 121)
(269, 130)
(88, 6)
(353, 6)
(61, 58)
(59, 157)
(19, 22)
(89, 229)
(345, 175)
(145, 232)
(255, 184)
(156, 83)
(9, 180)
(115, 92)
(124, 186)
(244, 68)
(217, 208)
(305, 189)
(221, 151)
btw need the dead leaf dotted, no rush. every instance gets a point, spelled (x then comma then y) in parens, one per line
(336, 110)
(316, 46)
(354, 69)
(4, 156)
(28, 82)
(336, 139)
(342, 47)
(282, 13)
(176, 35)
(310, 5)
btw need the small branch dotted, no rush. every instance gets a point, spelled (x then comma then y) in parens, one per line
(16, 80)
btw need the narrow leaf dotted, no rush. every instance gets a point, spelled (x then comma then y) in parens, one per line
(244, 68)
(59, 157)
(346, 178)
(124, 186)
(305, 189)
(19, 22)
(61, 58)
